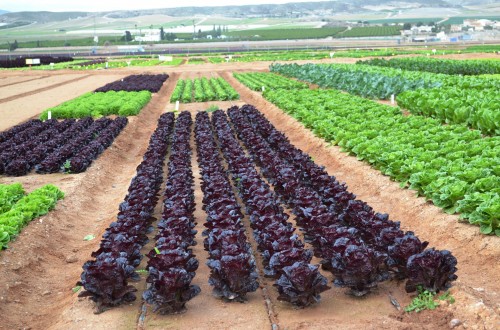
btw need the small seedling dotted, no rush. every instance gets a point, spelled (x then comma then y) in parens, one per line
(447, 297)
(67, 166)
(88, 237)
(157, 250)
(425, 300)
(76, 288)
(212, 108)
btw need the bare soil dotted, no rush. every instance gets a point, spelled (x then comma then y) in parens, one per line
(43, 264)
(5, 81)
(31, 104)
(35, 85)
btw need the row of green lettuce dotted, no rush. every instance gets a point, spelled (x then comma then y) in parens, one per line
(378, 82)
(257, 80)
(438, 65)
(203, 90)
(99, 104)
(476, 108)
(454, 167)
(17, 208)
(468, 100)
(291, 55)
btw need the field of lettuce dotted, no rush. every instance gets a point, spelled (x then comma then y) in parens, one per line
(451, 165)
(287, 199)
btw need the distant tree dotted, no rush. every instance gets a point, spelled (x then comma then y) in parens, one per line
(128, 36)
(488, 27)
(13, 46)
(171, 36)
(434, 29)
(219, 31)
(431, 23)
(199, 33)
(38, 43)
(407, 26)
(162, 34)
(420, 24)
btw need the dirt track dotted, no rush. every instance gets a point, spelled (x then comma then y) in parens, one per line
(41, 266)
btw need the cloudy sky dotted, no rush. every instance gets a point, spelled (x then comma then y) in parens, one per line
(99, 5)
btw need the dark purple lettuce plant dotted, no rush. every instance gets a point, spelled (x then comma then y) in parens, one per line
(433, 270)
(170, 290)
(301, 284)
(233, 276)
(286, 258)
(106, 280)
(358, 267)
(399, 253)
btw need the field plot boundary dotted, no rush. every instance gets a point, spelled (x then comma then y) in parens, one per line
(23, 80)
(15, 111)
(42, 89)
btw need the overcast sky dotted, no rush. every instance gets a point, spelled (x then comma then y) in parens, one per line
(99, 5)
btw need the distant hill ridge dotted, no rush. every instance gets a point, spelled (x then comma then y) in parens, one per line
(293, 9)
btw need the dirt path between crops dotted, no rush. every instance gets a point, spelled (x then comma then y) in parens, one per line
(43, 264)
(36, 86)
(8, 81)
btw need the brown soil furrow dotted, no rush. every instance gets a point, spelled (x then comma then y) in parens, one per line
(39, 90)
(22, 80)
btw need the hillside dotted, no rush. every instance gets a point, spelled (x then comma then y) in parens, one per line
(296, 9)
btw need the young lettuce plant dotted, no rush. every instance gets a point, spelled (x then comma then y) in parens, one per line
(357, 266)
(300, 284)
(432, 269)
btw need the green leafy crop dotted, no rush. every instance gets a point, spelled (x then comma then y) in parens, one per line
(100, 104)
(37, 203)
(454, 167)
(425, 300)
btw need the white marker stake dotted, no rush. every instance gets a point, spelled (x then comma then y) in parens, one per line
(392, 99)
(176, 105)
(263, 88)
(50, 115)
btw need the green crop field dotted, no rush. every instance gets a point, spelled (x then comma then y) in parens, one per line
(278, 34)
